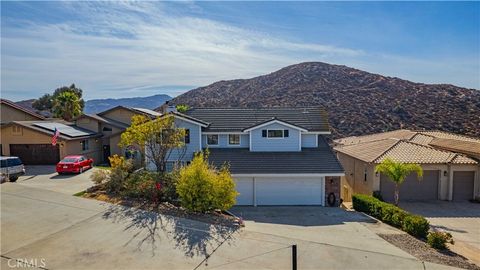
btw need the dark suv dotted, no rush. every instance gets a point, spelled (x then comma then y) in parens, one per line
(11, 168)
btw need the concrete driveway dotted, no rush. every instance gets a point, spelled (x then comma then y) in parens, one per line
(461, 219)
(45, 177)
(67, 232)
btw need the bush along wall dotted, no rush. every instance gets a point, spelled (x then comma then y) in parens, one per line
(414, 225)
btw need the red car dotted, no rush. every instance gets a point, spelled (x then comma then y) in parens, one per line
(74, 164)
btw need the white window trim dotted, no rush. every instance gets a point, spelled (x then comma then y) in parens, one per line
(218, 140)
(234, 145)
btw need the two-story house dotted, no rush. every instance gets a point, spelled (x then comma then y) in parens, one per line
(277, 156)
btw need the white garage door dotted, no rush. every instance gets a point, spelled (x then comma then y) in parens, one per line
(244, 186)
(280, 190)
(289, 191)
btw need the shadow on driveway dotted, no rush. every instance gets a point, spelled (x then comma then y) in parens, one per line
(446, 209)
(194, 238)
(299, 215)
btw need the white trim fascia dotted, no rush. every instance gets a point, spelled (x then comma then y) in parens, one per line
(226, 132)
(189, 121)
(200, 136)
(318, 132)
(287, 174)
(273, 121)
(234, 145)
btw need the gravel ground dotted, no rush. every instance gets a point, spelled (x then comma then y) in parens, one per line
(423, 252)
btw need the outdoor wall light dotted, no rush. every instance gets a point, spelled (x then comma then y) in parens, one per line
(445, 173)
(376, 174)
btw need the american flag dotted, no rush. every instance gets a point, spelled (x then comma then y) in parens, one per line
(56, 133)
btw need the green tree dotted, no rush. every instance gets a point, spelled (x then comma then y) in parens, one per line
(47, 101)
(156, 138)
(182, 108)
(398, 172)
(67, 106)
(202, 188)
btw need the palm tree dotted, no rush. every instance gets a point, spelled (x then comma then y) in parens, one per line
(397, 172)
(67, 106)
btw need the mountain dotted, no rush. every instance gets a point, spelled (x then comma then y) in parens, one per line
(358, 102)
(99, 105)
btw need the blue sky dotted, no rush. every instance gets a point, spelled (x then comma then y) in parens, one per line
(125, 49)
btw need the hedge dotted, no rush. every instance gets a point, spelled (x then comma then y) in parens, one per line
(414, 225)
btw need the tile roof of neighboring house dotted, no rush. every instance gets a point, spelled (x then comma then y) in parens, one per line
(18, 107)
(367, 151)
(414, 147)
(32, 125)
(106, 120)
(319, 160)
(467, 147)
(238, 119)
(396, 134)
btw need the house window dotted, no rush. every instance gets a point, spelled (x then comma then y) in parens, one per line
(107, 129)
(365, 175)
(212, 139)
(187, 135)
(285, 133)
(84, 145)
(16, 130)
(275, 133)
(234, 139)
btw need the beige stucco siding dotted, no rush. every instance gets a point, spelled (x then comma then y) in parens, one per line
(88, 123)
(120, 115)
(9, 114)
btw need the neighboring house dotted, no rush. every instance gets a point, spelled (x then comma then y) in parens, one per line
(9, 111)
(450, 164)
(29, 136)
(111, 123)
(32, 141)
(277, 156)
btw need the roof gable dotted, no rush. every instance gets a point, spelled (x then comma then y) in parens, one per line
(273, 121)
(20, 108)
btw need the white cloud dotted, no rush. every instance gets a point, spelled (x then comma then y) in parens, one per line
(122, 49)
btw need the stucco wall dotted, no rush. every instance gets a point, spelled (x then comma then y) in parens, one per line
(259, 143)
(354, 179)
(121, 115)
(88, 123)
(332, 185)
(9, 114)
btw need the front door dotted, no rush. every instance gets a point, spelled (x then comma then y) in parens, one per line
(106, 153)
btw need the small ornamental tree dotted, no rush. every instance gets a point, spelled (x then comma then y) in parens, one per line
(398, 172)
(156, 138)
(202, 188)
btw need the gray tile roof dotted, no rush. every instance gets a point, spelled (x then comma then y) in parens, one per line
(309, 160)
(238, 119)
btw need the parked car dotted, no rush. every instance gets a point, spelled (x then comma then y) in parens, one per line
(11, 168)
(74, 164)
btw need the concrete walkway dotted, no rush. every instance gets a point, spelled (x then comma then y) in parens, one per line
(75, 233)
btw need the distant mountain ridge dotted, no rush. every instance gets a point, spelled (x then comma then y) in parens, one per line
(99, 105)
(358, 102)
(150, 102)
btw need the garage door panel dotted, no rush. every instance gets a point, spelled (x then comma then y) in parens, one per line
(412, 189)
(36, 154)
(288, 191)
(244, 186)
(463, 183)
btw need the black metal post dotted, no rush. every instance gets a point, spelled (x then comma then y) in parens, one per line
(294, 257)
